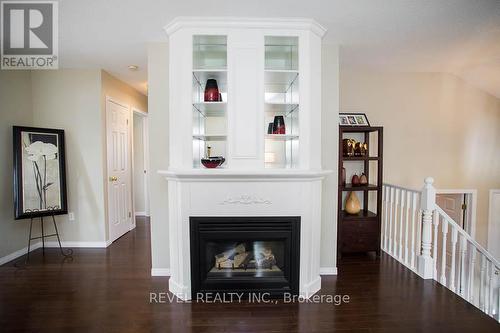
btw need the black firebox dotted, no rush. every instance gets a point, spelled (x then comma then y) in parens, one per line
(245, 254)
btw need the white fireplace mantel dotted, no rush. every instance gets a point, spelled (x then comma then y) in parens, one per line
(247, 175)
(244, 193)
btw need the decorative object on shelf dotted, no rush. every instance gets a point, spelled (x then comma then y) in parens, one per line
(353, 119)
(343, 176)
(352, 204)
(270, 128)
(364, 149)
(211, 162)
(358, 149)
(363, 180)
(352, 147)
(279, 125)
(355, 180)
(348, 147)
(39, 172)
(212, 91)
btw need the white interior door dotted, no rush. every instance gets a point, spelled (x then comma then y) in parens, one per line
(452, 205)
(494, 224)
(119, 169)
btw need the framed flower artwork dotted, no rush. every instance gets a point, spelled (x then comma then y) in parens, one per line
(39, 172)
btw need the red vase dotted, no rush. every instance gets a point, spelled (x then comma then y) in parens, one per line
(212, 91)
(279, 125)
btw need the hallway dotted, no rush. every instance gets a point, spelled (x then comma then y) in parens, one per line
(108, 290)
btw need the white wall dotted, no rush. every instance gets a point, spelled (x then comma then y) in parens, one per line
(70, 100)
(15, 109)
(158, 152)
(434, 125)
(139, 197)
(329, 154)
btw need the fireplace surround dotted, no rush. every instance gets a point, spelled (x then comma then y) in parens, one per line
(245, 254)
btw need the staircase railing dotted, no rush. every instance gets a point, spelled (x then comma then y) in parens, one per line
(420, 235)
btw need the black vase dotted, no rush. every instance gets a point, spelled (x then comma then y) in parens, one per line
(270, 128)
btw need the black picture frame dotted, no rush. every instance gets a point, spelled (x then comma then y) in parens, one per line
(47, 172)
(353, 120)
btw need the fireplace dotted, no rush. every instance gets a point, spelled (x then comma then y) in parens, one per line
(245, 254)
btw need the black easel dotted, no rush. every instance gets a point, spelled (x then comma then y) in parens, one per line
(69, 252)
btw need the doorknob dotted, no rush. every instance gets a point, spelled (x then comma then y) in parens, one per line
(113, 179)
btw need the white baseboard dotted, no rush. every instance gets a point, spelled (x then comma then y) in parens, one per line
(51, 244)
(140, 213)
(328, 271)
(160, 271)
(19, 253)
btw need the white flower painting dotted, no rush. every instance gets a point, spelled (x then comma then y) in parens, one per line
(41, 188)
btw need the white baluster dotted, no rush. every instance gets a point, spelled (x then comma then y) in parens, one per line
(397, 223)
(407, 224)
(482, 283)
(490, 288)
(401, 224)
(443, 253)
(386, 215)
(413, 228)
(435, 222)
(427, 203)
(391, 219)
(472, 265)
(463, 250)
(454, 238)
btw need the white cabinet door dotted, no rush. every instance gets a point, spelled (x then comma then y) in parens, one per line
(245, 99)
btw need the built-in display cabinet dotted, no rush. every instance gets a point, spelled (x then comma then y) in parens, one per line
(250, 89)
(266, 111)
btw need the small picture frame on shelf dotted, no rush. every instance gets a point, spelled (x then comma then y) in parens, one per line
(353, 120)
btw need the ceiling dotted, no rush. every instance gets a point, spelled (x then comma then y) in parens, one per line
(461, 37)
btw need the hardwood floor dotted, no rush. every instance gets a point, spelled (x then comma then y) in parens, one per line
(108, 290)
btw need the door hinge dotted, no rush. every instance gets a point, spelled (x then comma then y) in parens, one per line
(464, 206)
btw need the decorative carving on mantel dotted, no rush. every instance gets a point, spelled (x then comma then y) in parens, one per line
(246, 199)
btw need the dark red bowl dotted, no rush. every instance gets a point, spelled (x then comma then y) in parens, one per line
(213, 162)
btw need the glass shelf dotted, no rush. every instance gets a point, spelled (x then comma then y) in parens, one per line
(209, 52)
(281, 96)
(282, 108)
(282, 53)
(211, 109)
(210, 137)
(281, 137)
(209, 118)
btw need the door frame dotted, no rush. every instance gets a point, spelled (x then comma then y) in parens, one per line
(471, 202)
(145, 140)
(490, 213)
(129, 127)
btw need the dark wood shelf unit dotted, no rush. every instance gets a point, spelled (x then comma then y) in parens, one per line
(360, 232)
(369, 187)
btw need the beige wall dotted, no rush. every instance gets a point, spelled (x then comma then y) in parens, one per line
(434, 125)
(122, 92)
(15, 109)
(158, 152)
(70, 100)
